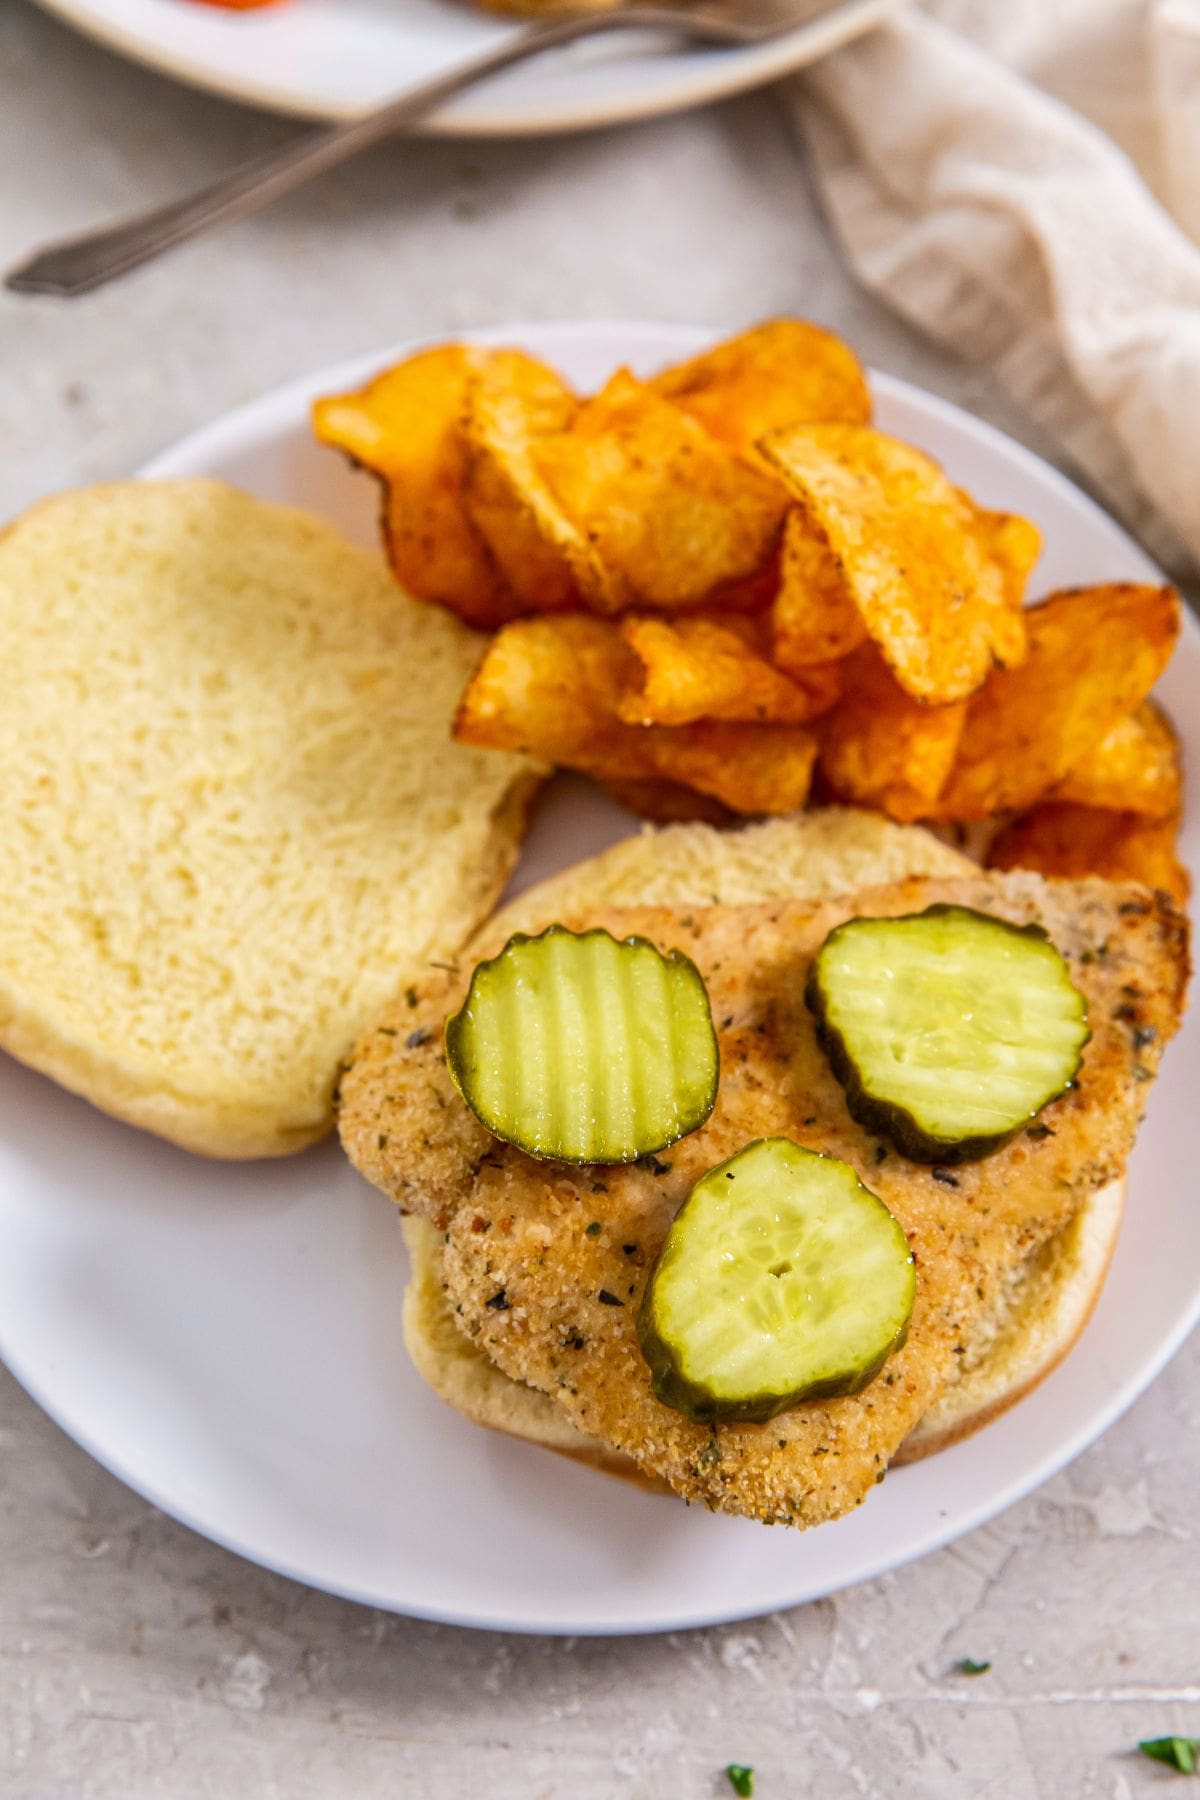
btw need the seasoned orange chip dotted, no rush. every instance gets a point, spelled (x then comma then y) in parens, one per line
(668, 803)
(784, 372)
(551, 687)
(511, 401)
(670, 513)
(1013, 544)
(750, 768)
(1136, 768)
(814, 619)
(1094, 653)
(699, 667)
(404, 427)
(914, 561)
(747, 593)
(1059, 838)
(882, 748)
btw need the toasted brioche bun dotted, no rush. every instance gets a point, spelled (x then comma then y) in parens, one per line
(231, 818)
(831, 850)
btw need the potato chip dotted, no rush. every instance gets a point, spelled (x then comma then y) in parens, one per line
(814, 619)
(1060, 838)
(750, 768)
(747, 593)
(1094, 653)
(913, 559)
(668, 803)
(550, 687)
(784, 372)
(700, 667)
(670, 513)
(1136, 768)
(404, 427)
(882, 748)
(1013, 543)
(511, 401)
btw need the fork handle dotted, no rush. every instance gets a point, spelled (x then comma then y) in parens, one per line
(77, 265)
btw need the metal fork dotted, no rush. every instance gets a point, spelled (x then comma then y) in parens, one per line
(78, 265)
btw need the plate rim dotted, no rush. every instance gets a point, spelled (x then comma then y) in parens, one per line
(240, 423)
(729, 72)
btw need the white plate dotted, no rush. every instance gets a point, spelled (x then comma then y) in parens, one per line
(332, 58)
(227, 1339)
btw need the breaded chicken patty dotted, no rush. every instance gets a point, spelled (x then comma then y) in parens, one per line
(553, 1300)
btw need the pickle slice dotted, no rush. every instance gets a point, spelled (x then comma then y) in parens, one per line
(580, 1048)
(948, 1029)
(782, 1279)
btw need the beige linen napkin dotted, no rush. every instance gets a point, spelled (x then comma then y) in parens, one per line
(1019, 179)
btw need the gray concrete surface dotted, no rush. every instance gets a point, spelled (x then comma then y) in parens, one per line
(138, 1662)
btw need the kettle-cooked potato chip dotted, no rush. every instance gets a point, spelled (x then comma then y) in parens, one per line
(882, 748)
(911, 552)
(698, 666)
(1135, 768)
(747, 593)
(668, 803)
(1013, 543)
(814, 619)
(1094, 654)
(404, 427)
(551, 687)
(512, 400)
(749, 768)
(783, 372)
(670, 513)
(1059, 838)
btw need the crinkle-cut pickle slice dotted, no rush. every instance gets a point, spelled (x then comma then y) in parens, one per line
(948, 1029)
(576, 1047)
(782, 1279)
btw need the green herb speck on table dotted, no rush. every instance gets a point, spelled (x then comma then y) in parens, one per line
(741, 1777)
(1178, 1753)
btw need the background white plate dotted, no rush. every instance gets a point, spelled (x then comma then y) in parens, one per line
(332, 58)
(227, 1339)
